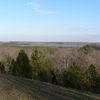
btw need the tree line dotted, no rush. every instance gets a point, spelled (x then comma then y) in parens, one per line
(40, 67)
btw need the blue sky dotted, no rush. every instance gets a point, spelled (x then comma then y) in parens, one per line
(50, 20)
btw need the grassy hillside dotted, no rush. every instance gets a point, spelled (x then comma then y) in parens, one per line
(14, 88)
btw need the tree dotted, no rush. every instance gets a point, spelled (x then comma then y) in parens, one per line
(22, 66)
(54, 77)
(7, 62)
(12, 65)
(41, 65)
(86, 49)
(93, 76)
(72, 77)
(2, 68)
(92, 72)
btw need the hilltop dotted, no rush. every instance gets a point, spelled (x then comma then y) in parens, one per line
(14, 88)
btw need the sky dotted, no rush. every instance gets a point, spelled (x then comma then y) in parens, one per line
(50, 20)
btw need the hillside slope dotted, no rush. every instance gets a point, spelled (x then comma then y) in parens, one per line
(14, 88)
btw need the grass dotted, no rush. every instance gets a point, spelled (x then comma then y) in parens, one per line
(15, 88)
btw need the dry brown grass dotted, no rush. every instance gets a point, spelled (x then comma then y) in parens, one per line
(14, 88)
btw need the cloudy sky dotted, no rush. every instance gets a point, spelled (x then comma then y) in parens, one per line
(50, 20)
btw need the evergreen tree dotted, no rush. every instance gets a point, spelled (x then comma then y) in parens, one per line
(72, 77)
(12, 65)
(2, 67)
(22, 66)
(41, 65)
(92, 75)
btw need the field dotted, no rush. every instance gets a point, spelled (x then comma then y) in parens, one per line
(14, 88)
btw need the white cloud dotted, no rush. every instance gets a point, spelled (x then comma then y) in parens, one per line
(39, 9)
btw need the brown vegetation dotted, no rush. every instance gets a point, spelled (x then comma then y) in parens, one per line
(15, 88)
